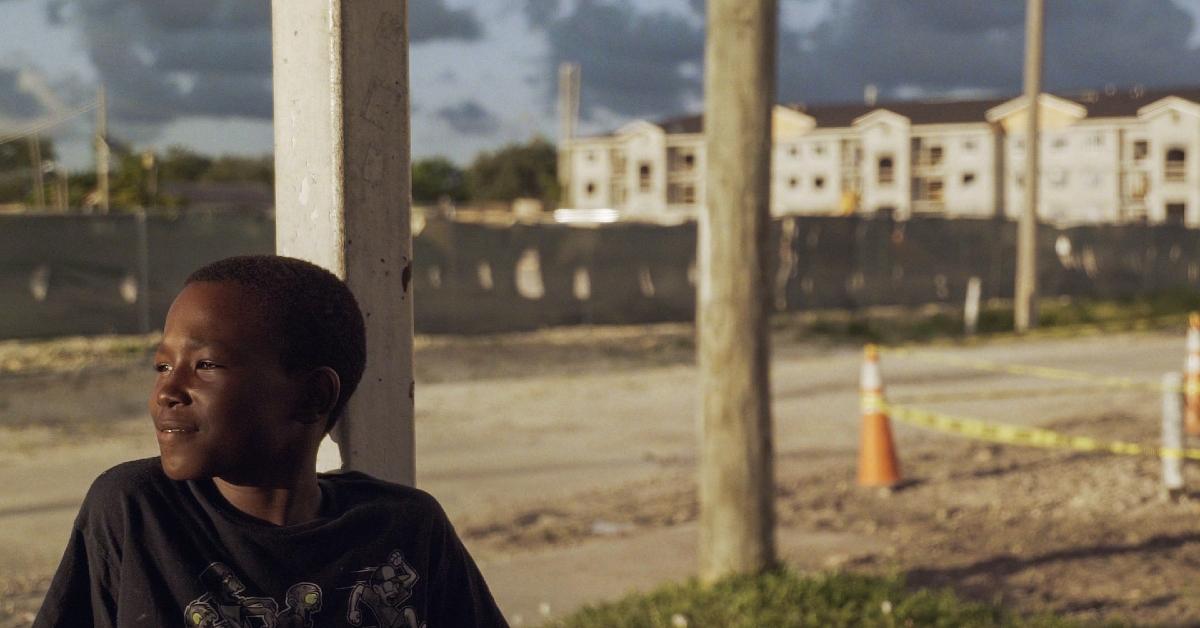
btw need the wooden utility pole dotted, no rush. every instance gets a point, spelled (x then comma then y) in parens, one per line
(736, 481)
(63, 187)
(102, 149)
(568, 113)
(1025, 312)
(342, 188)
(35, 162)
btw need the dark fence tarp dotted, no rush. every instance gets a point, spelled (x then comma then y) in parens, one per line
(63, 275)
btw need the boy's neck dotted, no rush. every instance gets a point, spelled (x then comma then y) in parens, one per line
(298, 503)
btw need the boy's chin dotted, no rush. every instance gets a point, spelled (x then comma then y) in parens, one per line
(180, 470)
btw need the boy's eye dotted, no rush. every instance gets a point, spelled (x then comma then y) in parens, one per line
(206, 364)
(162, 367)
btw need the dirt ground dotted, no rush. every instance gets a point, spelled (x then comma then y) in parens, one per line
(1086, 536)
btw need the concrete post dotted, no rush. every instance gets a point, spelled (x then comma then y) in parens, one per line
(737, 519)
(1025, 300)
(971, 306)
(342, 188)
(1172, 435)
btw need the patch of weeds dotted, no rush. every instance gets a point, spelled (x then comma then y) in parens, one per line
(785, 599)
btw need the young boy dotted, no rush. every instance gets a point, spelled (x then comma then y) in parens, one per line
(231, 526)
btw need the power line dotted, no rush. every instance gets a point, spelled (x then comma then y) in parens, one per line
(38, 127)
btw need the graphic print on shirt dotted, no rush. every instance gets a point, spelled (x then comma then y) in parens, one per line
(382, 594)
(226, 604)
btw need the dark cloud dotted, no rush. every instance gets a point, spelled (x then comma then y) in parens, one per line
(942, 46)
(632, 61)
(14, 101)
(429, 20)
(165, 59)
(469, 118)
(541, 12)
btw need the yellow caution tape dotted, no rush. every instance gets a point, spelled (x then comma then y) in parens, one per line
(1029, 436)
(1091, 329)
(1004, 393)
(1027, 370)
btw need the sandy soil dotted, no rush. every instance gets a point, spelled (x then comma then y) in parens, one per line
(1086, 536)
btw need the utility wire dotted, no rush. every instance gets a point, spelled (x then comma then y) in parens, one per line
(38, 127)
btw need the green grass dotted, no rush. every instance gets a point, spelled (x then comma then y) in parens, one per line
(783, 599)
(1056, 315)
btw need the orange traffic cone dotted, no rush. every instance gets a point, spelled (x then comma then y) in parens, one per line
(877, 465)
(1191, 377)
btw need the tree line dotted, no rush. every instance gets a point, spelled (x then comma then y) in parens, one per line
(142, 179)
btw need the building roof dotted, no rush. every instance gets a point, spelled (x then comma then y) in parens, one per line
(1109, 102)
(1114, 103)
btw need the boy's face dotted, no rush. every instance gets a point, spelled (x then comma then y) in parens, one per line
(223, 405)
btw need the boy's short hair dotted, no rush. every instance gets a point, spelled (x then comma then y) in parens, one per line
(316, 319)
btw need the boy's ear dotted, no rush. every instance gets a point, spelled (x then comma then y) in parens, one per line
(322, 388)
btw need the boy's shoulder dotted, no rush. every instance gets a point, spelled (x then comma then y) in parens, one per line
(366, 485)
(113, 493)
(127, 478)
(355, 488)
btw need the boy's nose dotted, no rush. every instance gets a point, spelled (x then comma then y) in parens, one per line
(169, 396)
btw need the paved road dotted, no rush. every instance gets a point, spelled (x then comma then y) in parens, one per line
(496, 443)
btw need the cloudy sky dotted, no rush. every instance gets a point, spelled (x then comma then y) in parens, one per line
(197, 72)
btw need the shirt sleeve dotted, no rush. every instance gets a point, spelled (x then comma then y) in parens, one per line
(83, 590)
(459, 596)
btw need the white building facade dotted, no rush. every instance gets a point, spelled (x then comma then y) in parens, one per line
(1107, 156)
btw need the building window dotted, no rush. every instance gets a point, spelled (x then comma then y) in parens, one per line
(1059, 143)
(793, 182)
(1138, 185)
(926, 154)
(590, 155)
(818, 148)
(819, 183)
(1176, 213)
(935, 189)
(793, 151)
(968, 178)
(969, 145)
(590, 189)
(1176, 164)
(1141, 148)
(644, 180)
(1058, 178)
(681, 193)
(681, 159)
(1096, 140)
(927, 189)
(887, 172)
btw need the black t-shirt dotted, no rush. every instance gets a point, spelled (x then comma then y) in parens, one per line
(150, 551)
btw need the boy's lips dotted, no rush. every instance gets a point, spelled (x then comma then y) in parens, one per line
(172, 426)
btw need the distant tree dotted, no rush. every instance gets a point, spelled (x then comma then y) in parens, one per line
(236, 168)
(436, 178)
(16, 169)
(516, 171)
(129, 185)
(181, 164)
